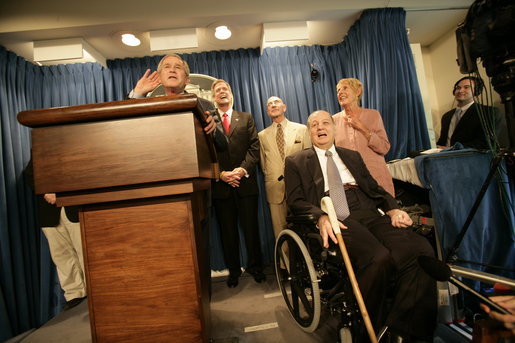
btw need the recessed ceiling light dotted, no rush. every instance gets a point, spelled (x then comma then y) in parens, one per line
(222, 32)
(130, 39)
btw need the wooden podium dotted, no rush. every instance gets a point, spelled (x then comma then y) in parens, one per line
(140, 172)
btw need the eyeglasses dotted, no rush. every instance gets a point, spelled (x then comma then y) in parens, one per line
(274, 102)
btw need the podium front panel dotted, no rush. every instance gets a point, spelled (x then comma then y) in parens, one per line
(143, 273)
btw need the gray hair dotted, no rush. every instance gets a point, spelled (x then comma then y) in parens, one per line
(184, 63)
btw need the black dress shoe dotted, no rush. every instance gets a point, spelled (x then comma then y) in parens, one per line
(258, 276)
(232, 281)
(72, 303)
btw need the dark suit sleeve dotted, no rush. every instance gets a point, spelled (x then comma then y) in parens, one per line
(252, 156)
(444, 129)
(366, 181)
(479, 128)
(48, 215)
(296, 194)
(219, 138)
(479, 125)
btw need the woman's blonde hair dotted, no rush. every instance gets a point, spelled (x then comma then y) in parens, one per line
(355, 84)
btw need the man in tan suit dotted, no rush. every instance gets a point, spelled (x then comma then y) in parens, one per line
(277, 141)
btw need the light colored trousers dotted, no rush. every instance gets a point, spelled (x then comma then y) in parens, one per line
(278, 214)
(66, 251)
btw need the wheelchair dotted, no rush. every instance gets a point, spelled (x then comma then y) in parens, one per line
(312, 278)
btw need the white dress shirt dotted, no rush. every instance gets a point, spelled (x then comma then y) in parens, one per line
(345, 174)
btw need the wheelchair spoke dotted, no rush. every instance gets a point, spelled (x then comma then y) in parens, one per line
(299, 292)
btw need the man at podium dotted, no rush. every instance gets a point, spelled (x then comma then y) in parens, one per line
(173, 74)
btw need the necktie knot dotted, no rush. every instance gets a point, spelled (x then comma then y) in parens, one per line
(328, 153)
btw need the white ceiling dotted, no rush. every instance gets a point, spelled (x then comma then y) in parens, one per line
(99, 21)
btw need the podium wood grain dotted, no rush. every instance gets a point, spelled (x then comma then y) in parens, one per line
(143, 274)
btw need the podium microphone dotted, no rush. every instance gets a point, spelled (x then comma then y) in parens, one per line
(440, 271)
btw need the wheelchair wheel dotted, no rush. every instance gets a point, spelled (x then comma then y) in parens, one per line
(298, 281)
(345, 335)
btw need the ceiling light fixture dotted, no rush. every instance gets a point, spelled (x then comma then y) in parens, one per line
(63, 51)
(130, 39)
(222, 32)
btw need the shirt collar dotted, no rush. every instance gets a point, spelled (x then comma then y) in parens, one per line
(283, 123)
(466, 107)
(321, 152)
(229, 112)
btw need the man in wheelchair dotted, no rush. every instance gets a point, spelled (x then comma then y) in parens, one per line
(380, 246)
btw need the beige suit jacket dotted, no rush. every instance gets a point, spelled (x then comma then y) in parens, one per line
(296, 138)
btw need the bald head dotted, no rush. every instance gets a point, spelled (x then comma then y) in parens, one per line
(276, 108)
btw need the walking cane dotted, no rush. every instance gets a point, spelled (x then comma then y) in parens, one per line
(327, 207)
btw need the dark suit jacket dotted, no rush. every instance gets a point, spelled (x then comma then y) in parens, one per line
(243, 151)
(469, 130)
(48, 214)
(305, 181)
(219, 138)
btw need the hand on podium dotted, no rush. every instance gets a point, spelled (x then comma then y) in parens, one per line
(210, 124)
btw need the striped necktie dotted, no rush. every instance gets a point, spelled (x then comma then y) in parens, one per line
(279, 138)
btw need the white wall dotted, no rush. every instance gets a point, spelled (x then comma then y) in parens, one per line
(441, 72)
(418, 57)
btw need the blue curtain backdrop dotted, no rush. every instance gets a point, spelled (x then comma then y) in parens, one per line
(29, 290)
(376, 51)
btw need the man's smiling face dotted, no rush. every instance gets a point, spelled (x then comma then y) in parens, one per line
(321, 129)
(222, 94)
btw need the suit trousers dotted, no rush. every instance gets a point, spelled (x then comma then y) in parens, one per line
(278, 213)
(243, 210)
(382, 254)
(65, 246)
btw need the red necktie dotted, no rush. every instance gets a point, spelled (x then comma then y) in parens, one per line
(226, 123)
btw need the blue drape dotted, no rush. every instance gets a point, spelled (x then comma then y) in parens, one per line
(376, 51)
(454, 179)
(29, 289)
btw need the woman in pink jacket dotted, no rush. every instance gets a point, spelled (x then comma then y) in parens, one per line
(362, 129)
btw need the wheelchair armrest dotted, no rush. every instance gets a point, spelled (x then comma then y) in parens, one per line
(302, 219)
